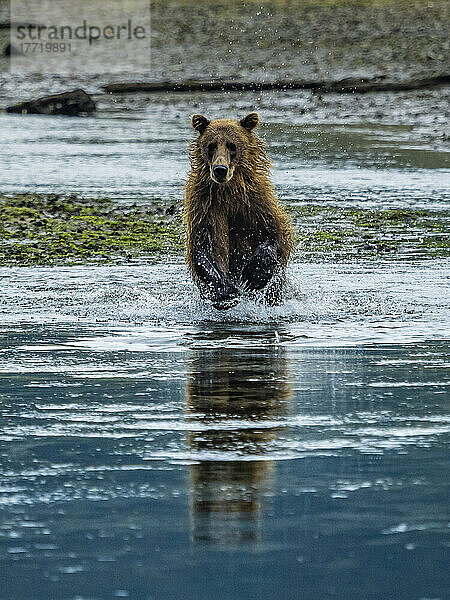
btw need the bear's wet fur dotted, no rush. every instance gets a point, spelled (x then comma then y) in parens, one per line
(238, 236)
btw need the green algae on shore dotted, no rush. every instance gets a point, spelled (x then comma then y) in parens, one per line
(53, 229)
(331, 232)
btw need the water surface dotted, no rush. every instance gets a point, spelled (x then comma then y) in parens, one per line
(338, 149)
(153, 447)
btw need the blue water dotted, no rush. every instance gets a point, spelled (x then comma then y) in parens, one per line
(153, 448)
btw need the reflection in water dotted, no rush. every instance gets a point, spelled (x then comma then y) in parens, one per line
(232, 392)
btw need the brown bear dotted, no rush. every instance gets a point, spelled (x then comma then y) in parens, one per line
(237, 234)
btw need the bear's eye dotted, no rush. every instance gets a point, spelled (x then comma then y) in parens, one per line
(211, 148)
(231, 147)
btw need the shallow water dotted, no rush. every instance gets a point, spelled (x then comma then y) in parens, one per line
(153, 447)
(330, 150)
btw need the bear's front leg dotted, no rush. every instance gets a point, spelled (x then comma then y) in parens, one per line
(213, 283)
(261, 266)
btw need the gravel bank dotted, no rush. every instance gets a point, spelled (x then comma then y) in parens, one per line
(282, 39)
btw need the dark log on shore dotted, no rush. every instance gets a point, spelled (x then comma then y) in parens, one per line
(71, 104)
(349, 85)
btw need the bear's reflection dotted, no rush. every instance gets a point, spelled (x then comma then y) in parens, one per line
(231, 393)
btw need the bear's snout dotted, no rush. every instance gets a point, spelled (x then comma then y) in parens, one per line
(220, 172)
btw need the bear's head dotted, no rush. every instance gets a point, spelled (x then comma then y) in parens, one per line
(223, 143)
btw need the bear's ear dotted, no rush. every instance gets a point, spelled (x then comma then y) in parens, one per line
(250, 121)
(199, 123)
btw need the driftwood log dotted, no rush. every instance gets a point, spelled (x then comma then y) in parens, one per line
(349, 85)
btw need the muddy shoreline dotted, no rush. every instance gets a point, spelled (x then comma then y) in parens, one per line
(291, 39)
